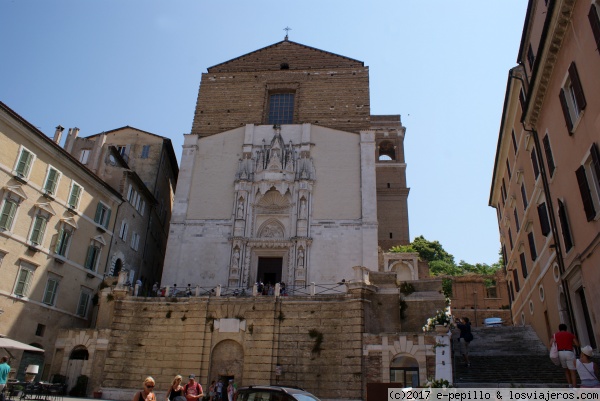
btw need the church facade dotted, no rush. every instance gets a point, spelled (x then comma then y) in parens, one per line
(286, 176)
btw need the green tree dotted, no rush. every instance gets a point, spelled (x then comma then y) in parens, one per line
(442, 262)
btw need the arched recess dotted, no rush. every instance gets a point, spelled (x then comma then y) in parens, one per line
(404, 369)
(387, 151)
(117, 268)
(272, 228)
(77, 360)
(227, 360)
(404, 272)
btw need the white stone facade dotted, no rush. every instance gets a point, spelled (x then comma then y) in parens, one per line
(301, 196)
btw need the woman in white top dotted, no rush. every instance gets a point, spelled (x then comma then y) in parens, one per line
(587, 369)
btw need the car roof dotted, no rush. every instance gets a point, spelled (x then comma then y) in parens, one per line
(287, 389)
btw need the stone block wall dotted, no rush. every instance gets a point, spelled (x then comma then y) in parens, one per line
(317, 343)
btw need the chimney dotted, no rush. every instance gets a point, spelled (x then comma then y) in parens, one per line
(71, 136)
(58, 134)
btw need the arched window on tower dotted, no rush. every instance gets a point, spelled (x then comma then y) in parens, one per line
(387, 151)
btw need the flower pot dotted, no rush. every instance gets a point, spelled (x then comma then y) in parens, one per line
(440, 328)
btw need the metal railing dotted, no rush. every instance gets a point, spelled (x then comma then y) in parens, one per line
(256, 290)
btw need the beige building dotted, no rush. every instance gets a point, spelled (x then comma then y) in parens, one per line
(546, 181)
(286, 176)
(142, 167)
(56, 226)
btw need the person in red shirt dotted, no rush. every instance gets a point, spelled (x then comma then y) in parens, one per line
(565, 342)
(193, 390)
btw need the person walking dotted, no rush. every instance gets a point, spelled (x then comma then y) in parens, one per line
(587, 369)
(193, 390)
(4, 371)
(176, 390)
(147, 393)
(465, 338)
(565, 341)
(211, 390)
(231, 390)
(219, 390)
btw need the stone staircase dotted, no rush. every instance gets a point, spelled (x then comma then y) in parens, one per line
(506, 356)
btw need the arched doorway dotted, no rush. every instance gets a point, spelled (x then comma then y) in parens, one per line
(117, 268)
(404, 369)
(227, 362)
(77, 360)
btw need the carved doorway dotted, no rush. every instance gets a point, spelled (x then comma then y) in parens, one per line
(269, 270)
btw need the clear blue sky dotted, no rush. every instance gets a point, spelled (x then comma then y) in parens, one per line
(441, 65)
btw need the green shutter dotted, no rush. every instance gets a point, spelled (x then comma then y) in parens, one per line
(107, 219)
(24, 163)
(98, 216)
(90, 257)
(74, 197)
(8, 214)
(51, 181)
(50, 293)
(83, 303)
(23, 282)
(59, 243)
(39, 226)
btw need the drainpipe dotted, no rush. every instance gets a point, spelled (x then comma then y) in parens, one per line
(553, 225)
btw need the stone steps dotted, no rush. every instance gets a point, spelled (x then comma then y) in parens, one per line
(505, 355)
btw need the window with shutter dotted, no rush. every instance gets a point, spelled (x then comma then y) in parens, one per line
(532, 249)
(102, 216)
(572, 98)
(39, 227)
(508, 169)
(24, 279)
(511, 291)
(549, 157)
(75, 195)
(586, 195)
(82, 305)
(534, 163)
(564, 225)
(145, 151)
(51, 181)
(516, 279)
(91, 259)
(514, 141)
(595, 23)
(50, 291)
(63, 241)
(517, 225)
(9, 209)
(523, 265)
(524, 196)
(510, 239)
(24, 163)
(543, 216)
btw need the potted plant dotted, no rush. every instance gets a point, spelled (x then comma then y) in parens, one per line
(441, 322)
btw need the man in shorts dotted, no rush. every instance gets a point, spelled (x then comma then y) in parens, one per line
(565, 342)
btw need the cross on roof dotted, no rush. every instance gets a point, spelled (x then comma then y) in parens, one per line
(287, 30)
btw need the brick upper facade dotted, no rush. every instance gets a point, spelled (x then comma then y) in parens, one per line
(330, 90)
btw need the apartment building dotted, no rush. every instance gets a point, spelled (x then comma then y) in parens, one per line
(56, 226)
(142, 167)
(546, 180)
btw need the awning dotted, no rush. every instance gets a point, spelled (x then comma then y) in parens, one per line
(7, 343)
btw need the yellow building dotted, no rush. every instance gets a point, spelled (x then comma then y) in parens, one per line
(56, 222)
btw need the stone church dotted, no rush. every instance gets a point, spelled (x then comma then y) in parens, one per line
(286, 175)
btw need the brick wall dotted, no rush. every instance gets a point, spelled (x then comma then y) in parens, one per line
(331, 90)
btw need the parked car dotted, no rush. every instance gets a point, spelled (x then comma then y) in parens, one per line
(274, 393)
(492, 322)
